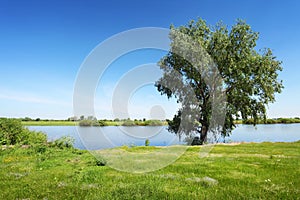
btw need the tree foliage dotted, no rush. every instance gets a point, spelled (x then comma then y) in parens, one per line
(12, 132)
(249, 76)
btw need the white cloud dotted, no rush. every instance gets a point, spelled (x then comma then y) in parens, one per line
(31, 99)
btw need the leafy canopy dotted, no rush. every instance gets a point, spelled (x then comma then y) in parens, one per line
(248, 77)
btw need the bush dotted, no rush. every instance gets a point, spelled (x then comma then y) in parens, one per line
(100, 161)
(63, 142)
(12, 132)
(285, 120)
(88, 122)
(32, 137)
(40, 149)
(85, 122)
(153, 123)
(139, 123)
(147, 142)
(102, 123)
(271, 121)
(128, 123)
(95, 123)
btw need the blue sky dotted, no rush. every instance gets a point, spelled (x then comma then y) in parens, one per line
(43, 44)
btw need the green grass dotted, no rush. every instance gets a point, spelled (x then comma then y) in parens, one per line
(113, 123)
(245, 171)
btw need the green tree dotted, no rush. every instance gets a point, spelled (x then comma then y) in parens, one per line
(249, 77)
(27, 119)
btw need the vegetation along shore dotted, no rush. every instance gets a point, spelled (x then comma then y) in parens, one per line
(135, 122)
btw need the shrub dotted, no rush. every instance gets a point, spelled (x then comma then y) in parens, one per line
(271, 121)
(10, 131)
(40, 149)
(100, 161)
(128, 123)
(85, 122)
(88, 122)
(285, 120)
(153, 123)
(63, 142)
(32, 137)
(139, 123)
(95, 123)
(102, 123)
(147, 142)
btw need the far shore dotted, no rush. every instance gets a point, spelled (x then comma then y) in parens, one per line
(143, 123)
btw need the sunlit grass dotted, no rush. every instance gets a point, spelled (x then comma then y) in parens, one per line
(245, 171)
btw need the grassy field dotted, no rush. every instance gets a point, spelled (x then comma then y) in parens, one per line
(244, 171)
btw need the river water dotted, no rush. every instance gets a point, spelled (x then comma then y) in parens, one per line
(112, 136)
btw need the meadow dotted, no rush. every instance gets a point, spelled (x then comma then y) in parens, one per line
(239, 171)
(31, 167)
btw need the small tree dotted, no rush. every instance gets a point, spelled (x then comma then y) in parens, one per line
(249, 76)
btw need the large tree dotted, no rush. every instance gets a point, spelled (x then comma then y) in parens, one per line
(199, 53)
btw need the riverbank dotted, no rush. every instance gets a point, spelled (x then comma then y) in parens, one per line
(141, 122)
(63, 123)
(49, 123)
(294, 120)
(94, 123)
(241, 171)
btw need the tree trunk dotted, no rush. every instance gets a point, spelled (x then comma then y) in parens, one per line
(203, 134)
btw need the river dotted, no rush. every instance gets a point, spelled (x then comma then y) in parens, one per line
(112, 136)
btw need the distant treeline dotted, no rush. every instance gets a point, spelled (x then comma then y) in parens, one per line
(270, 121)
(128, 122)
(91, 121)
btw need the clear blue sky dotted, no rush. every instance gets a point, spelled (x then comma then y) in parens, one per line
(43, 43)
